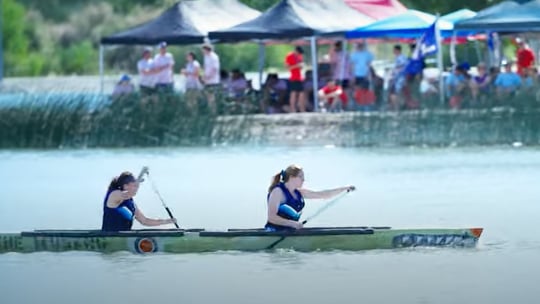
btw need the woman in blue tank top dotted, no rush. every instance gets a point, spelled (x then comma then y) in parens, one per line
(286, 199)
(119, 209)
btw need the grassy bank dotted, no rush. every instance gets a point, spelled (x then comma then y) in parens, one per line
(86, 120)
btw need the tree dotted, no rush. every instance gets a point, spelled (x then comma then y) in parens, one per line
(445, 7)
(260, 5)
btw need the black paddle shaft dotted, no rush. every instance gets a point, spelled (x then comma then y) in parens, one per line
(172, 217)
(162, 201)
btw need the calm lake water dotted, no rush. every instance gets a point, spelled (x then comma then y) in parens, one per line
(218, 188)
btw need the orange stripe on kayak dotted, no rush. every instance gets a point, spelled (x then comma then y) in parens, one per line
(476, 232)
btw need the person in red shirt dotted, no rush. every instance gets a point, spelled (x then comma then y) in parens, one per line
(525, 57)
(329, 93)
(294, 62)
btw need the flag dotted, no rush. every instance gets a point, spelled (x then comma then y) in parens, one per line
(425, 46)
(494, 44)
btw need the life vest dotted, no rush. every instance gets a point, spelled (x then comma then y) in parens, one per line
(290, 208)
(119, 218)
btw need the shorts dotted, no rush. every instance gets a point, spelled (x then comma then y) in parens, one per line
(362, 82)
(296, 86)
(344, 83)
(213, 88)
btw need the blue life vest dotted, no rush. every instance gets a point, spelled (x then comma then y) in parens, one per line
(119, 218)
(290, 209)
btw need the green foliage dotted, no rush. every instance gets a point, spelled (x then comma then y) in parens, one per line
(79, 58)
(260, 5)
(14, 40)
(59, 11)
(445, 7)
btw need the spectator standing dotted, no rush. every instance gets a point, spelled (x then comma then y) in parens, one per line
(525, 57)
(193, 82)
(295, 62)
(165, 62)
(340, 65)
(397, 80)
(147, 73)
(361, 60)
(211, 78)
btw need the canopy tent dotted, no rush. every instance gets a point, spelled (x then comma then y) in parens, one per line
(520, 18)
(292, 19)
(186, 22)
(377, 9)
(504, 6)
(411, 24)
(458, 15)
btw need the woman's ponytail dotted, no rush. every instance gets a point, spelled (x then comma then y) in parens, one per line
(113, 185)
(275, 181)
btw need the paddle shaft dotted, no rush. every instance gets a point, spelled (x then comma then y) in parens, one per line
(161, 199)
(326, 206)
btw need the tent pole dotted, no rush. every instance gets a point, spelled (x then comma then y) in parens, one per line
(490, 52)
(262, 59)
(440, 65)
(101, 76)
(453, 58)
(315, 74)
(1, 47)
(343, 58)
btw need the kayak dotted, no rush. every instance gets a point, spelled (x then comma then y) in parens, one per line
(201, 240)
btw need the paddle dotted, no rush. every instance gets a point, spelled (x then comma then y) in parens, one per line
(145, 171)
(318, 212)
(326, 206)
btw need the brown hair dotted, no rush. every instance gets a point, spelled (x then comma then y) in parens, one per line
(284, 175)
(118, 182)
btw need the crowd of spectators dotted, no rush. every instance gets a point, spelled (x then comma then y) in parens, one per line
(347, 82)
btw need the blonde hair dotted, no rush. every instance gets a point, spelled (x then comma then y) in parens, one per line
(284, 175)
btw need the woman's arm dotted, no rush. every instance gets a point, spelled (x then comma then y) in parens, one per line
(117, 197)
(141, 218)
(310, 194)
(276, 196)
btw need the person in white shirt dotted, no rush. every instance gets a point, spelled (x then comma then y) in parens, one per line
(147, 72)
(211, 78)
(193, 83)
(164, 61)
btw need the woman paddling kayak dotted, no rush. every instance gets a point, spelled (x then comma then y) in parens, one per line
(286, 199)
(119, 209)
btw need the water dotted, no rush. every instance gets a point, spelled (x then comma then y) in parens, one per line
(495, 188)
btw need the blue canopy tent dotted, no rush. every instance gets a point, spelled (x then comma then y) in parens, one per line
(520, 18)
(506, 17)
(458, 15)
(505, 6)
(411, 24)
